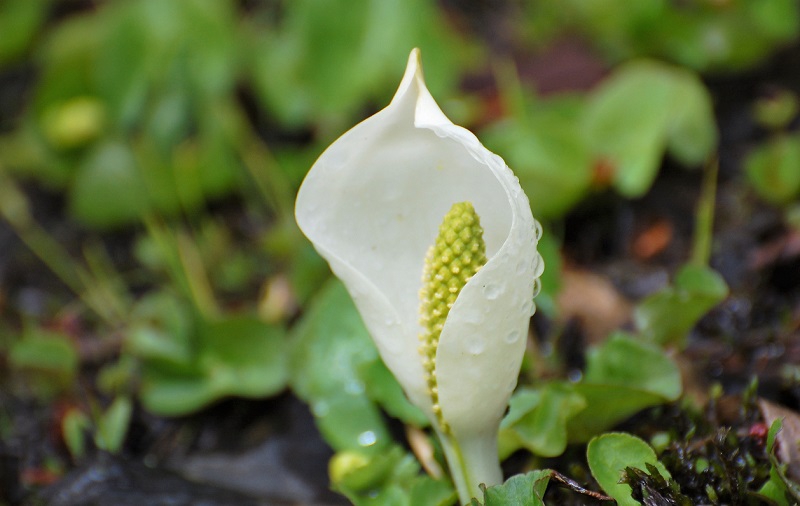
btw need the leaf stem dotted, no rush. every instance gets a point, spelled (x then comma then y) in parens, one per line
(704, 218)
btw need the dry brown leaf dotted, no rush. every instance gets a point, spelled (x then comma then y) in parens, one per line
(594, 301)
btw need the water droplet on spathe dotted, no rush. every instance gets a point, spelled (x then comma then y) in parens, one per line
(473, 317)
(537, 264)
(492, 291)
(520, 267)
(513, 336)
(537, 230)
(476, 345)
(367, 438)
(537, 287)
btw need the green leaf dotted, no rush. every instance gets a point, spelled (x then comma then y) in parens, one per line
(108, 189)
(244, 356)
(608, 455)
(425, 491)
(520, 490)
(74, 427)
(234, 355)
(388, 478)
(623, 376)
(113, 425)
(625, 361)
(45, 351)
(666, 317)
(384, 389)
(772, 169)
(643, 109)
(537, 419)
(19, 23)
(328, 348)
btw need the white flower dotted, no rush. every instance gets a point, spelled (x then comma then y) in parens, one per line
(372, 205)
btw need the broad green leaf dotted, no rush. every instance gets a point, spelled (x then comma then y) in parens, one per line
(623, 376)
(232, 356)
(606, 406)
(161, 328)
(425, 491)
(244, 356)
(520, 490)
(610, 454)
(667, 316)
(108, 189)
(691, 130)
(643, 109)
(328, 347)
(537, 419)
(626, 361)
(773, 169)
(383, 388)
(626, 123)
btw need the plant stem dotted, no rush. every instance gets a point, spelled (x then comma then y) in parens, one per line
(704, 218)
(472, 461)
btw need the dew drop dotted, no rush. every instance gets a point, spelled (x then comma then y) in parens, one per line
(537, 230)
(474, 317)
(476, 345)
(320, 409)
(367, 438)
(537, 287)
(354, 387)
(537, 264)
(526, 306)
(520, 267)
(492, 291)
(512, 337)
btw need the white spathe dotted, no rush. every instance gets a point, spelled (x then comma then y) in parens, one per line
(372, 205)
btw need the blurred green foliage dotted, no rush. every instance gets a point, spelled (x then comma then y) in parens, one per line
(705, 35)
(155, 118)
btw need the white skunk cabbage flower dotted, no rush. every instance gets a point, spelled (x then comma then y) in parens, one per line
(434, 239)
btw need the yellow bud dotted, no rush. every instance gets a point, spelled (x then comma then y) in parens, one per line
(344, 465)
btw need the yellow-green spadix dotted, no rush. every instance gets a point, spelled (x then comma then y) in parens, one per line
(373, 205)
